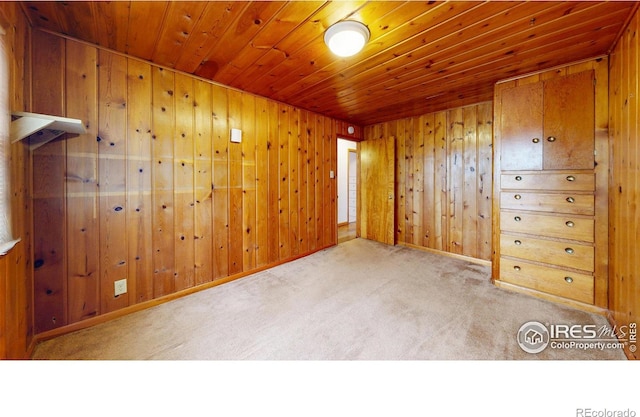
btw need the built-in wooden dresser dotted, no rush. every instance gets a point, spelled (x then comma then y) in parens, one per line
(548, 196)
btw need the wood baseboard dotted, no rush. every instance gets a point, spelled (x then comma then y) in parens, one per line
(448, 254)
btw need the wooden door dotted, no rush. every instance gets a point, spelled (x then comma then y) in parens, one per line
(377, 190)
(569, 117)
(521, 128)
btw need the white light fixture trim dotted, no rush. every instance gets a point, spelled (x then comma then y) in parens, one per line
(346, 38)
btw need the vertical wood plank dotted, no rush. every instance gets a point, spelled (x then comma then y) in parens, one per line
(262, 181)
(284, 137)
(429, 183)
(81, 181)
(329, 194)
(49, 210)
(319, 180)
(112, 149)
(440, 182)
(418, 180)
(163, 128)
(401, 179)
(249, 213)
(235, 186)
(312, 129)
(183, 184)
(303, 170)
(139, 164)
(294, 180)
(220, 182)
(484, 179)
(273, 209)
(203, 222)
(470, 180)
(455, 138)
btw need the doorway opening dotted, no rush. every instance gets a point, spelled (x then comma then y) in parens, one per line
(347, 189)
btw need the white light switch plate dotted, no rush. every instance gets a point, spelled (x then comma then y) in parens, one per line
(236, 135)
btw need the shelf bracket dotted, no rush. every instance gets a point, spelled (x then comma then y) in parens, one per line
(41, 128)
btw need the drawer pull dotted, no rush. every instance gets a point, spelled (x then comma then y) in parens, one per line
(568, 279)
(569, 250)
(551, 138)
(517, 196)
(570, 223)
(571, 178)
(516, 267)
(535, 140)
(517, 242)
(518, 178)
(571, 200)
(517, 218)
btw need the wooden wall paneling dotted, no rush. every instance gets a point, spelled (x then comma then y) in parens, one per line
(333, 183)
(455, 183)
(624, 293)
(48, 173)
(183, 184)
(203, 186)
(4, 276)
(273, 203)
(440, 182)
(249, 187)
(294, 180)
(235, 186)
(163, 129)
(312, 129)
(410, 150)
(418, 180)
(220, 182)
(112, 172)
(428, 212)
(330, 214)
(399, 132)
(319, 181)
(470, 183)
(139, 205)
(303, 185)
(484, 167)
(262, 181)
(284, 142)
(81, 183)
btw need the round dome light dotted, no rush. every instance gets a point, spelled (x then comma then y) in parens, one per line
(346, 38)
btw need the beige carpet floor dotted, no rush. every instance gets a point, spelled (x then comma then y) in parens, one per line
(357, 301)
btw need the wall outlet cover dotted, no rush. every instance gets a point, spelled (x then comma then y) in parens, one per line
(120, 287)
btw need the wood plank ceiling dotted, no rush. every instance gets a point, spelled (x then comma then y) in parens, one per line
(422, 57)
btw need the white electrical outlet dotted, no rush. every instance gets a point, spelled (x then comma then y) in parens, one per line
(120, 287)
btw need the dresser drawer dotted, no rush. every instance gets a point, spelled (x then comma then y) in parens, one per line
(564, 227)
(546, 182)
(566, 284)
(548, 202)
(571, 255)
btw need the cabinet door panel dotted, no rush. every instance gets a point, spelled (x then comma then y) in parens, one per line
(569, 115)
(521, 128)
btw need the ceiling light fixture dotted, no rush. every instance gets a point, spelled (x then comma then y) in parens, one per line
(346, 38)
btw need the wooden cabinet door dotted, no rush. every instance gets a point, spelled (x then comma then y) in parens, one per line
(569, 121)
(377, 190)
(521, 128)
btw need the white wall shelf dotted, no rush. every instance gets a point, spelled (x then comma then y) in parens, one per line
(41, 128)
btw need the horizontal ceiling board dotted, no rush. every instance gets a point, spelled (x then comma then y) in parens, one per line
(421, 57)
